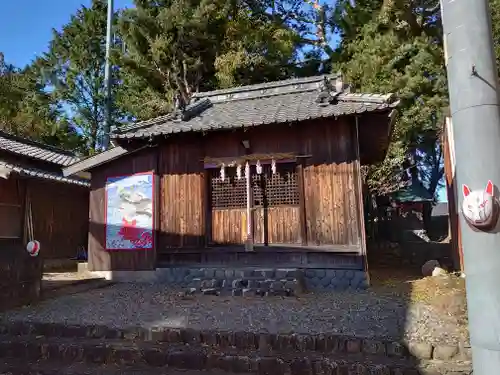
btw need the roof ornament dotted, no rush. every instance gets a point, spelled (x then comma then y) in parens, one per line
(179, 107)
(329, 90)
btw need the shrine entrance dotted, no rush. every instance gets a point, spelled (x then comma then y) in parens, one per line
(255, 202)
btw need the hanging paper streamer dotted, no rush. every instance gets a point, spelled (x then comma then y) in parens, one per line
(223, 172)
(238, 172)
(258, 167)
(247, 170)
(273, 166)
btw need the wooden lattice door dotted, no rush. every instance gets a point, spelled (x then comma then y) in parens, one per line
(276, 205)
(228, 202)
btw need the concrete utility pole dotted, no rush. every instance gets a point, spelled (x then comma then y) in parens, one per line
(107, 78)
(472, 82)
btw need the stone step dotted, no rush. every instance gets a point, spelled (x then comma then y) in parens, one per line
(183, 275)
(68, 351)
(313, 279)
(22, 367)
(241, 342)
(254, 286)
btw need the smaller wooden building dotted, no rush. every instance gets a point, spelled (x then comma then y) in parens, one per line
(266, 175)
(37, 201)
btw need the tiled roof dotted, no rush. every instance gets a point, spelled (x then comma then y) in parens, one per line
(36, 150)
(270, 103)
(33, 172)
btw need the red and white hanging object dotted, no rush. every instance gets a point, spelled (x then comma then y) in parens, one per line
(273, 166)
(258, 167)
(223, 172)
(238, 172)
(247, 170)
(33, 248)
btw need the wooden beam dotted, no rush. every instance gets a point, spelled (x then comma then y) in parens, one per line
(248, 177)
(208, 207)
(451, 191)
(302, 203)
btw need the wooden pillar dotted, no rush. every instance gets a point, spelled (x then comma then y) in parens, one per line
(451, 191)
(248, 177)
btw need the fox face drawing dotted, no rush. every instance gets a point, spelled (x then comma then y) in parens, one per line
(479, 206)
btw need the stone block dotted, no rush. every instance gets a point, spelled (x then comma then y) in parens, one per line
(209, 292)
(291, 284)
(304, 342)
(331, 343)
(379, 370)
(190, 336)
(172, 335)
(209, 338)
(197, 272)
(209, 273)
(283, 342)
(187, 359)
(320, 273)
(252, 284)
(396, 349)
(237, 284)
(220, 274)
(325, 366)
(266, 284)
(281, 274)
(301, 366)
(155, 357)
(267, 274)
(265, 343)
(247, 292)
(374, 347)
(445, 352)
(353, 345)
(269, 366)
(420, 350)
(276, 285)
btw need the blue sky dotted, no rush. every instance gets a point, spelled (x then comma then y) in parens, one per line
(26, 27)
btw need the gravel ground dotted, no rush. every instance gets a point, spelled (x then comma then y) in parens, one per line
(364, 314)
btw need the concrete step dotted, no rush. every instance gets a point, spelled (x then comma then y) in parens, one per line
(68, 351)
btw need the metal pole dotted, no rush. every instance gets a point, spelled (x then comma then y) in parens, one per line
(472, 82)
(107, 79)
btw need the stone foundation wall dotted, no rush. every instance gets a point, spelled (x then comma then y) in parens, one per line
(328, 279)
(314, 279)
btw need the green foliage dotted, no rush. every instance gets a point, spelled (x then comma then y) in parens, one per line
(398, 52)
(74, 67)
(26, 109)
(183, 46)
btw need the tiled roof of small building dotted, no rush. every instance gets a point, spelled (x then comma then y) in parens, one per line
(38, 173)
(36, 150)
(269, 103)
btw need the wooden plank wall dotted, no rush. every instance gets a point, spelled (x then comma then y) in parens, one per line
(182, 201)
(99, 259)
(60, 217)
(330, 185)
(60, 214)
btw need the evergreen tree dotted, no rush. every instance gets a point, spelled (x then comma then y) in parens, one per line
(74, 68)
